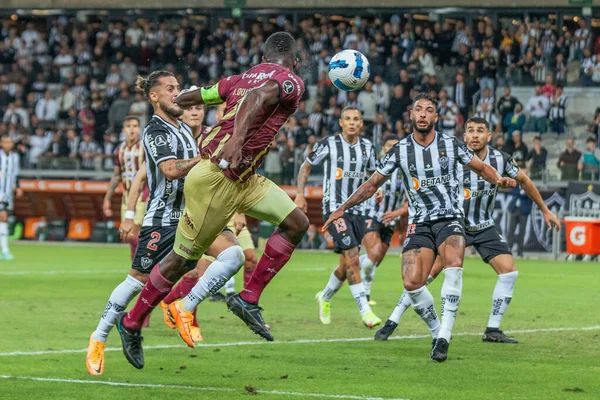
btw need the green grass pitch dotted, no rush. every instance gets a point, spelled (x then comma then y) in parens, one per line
(52, 296)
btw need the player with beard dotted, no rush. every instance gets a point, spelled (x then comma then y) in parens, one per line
(428, 162)
(171, 152)
(259, 101)
(481, 232)
(129, 159)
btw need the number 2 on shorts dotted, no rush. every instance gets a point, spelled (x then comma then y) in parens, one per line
(153, 241)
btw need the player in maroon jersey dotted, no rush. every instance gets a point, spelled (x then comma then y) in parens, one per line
(259, 102)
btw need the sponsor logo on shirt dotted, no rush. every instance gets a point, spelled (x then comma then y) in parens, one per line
(340, 173)
(429, 182)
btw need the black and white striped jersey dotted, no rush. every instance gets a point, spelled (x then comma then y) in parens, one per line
(345, 167)
(9, 172)
(430, 176)
(479, 194)
(164, 141)
(393, 198)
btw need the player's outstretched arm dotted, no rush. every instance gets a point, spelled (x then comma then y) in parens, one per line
(112, 187)
(364, 192)
(250, 105)
(490, 174)
(390, 216)
(534, 194)
(196, 96)
(303, 174)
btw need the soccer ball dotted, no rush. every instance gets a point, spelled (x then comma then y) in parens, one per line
(349, 70)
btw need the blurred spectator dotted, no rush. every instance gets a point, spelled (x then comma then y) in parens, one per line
(139, 109)
(15, 114)
(506, 104)
(59, 147)
(38, 146)
(568, 161)
(88, 151)
(313, 240)
(558, 111)
(288, 160)
(108, 152)
(499, 143)
(316, 120)
(119, 110)
(367, 100)
(46, 109)
(447, 117)
(66, 101)
(72, 144)
(380, 126)
(517, 149)
(537, 107)
(382, 90)
(589, 163)
(536, 159)
(514, 121)
(85, 120)
(485, 111)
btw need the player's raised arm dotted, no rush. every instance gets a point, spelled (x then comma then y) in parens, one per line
(250, 105)
(196, 96)
(364, 192)
(534, 194)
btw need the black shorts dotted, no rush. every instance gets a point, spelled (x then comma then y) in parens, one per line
(431, 235)
(154, 243)
(488, 242)
(385, 232)
(347, 232)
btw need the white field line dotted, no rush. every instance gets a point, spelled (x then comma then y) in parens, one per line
(301, 341)
(197, 388)
(124, 270)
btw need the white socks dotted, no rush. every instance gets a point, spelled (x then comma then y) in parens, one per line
(404, 303)
(367, 272)
(4, 237)
(332, 287)
(451, 292)
(422, 302)
(226, 265)
(501, 298)
(358, 292)
(230, 286)
(117, 302)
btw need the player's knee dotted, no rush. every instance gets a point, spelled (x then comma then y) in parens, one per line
(297, 222)
(412, 283)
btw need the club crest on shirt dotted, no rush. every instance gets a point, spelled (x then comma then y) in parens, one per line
(146, 262)
(346, 240)
(288, 87)
(443, 162)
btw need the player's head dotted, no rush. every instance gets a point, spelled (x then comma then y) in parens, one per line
(7, 143)
(281, 47)
(131, 129)
(389, 141)
(424, 113)
(351, 121)
(194, 116)
(161, 88)
(477, 133)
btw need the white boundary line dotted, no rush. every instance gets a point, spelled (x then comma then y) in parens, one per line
(198, 388)
(301, 341)
(123, 270)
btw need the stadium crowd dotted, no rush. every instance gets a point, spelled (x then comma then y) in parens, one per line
(65, 86)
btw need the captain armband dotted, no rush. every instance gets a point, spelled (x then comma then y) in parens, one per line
(210, 95)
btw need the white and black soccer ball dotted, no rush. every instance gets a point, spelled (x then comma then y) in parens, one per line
(349, 70)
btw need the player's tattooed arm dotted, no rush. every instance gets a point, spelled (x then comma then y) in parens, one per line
(364, 192)
(302, 178)
(534, 194)
(176, 169)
